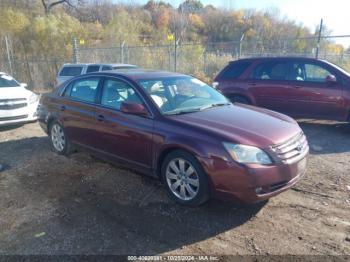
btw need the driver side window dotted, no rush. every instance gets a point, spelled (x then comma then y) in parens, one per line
(316, 73)
(115, 92)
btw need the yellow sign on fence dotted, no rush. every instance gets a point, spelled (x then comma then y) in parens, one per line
(170, 37)
(82, 42)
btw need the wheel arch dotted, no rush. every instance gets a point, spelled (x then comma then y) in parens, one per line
(166, 151)
(50, 119)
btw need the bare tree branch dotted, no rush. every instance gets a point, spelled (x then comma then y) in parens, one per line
(48, 6)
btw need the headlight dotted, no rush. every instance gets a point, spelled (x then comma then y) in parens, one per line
(247, 154)
(33, 98)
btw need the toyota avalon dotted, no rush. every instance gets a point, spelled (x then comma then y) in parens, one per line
(180, 130)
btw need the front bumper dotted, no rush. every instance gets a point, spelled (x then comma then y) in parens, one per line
(18, 116)
(252, 183)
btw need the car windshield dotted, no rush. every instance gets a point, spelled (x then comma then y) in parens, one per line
(181, 95)
(8, 81)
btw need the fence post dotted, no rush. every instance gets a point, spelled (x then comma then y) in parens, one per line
(175, 53)
(240, 45)
(8, 54)
(205, 61)
(75, 51)
(122, 52)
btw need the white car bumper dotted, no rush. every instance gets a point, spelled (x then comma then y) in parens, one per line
(19, 115)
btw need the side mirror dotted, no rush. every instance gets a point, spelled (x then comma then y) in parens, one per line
(331, 79)
(24, 85)
(134, 109)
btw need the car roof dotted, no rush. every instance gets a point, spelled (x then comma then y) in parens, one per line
(99, 64)
(267, 58)
(138, 74)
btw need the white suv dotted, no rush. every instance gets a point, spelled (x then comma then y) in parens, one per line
(17, 104)
(68, 71)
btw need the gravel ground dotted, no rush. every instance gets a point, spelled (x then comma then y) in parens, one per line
(51, 204)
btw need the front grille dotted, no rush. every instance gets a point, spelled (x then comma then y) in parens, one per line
(12, 100)
(13, 118)
(292, 148)
(10, 104)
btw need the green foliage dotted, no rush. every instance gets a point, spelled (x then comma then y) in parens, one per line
(13, 21)
(191, 6)
(54, 33)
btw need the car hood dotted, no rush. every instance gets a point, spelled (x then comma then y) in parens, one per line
(14, 92)
(243, 124)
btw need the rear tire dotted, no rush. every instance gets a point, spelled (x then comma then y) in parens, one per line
(240, 99)
(59, 141)
(184, 179)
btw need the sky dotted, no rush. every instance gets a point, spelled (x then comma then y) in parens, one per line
(335, 13)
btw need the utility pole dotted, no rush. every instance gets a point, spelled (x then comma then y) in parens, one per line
(8, 54)
(319, 39)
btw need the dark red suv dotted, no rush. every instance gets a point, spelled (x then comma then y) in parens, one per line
(298, 87)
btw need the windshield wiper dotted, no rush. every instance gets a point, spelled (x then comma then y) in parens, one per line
(192, 110)
(184, 111)
(214, 105)
(220, 104)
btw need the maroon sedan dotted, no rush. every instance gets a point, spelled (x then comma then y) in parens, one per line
(179, 129)
(298, 87)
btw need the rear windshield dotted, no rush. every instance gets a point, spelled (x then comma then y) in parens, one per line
(234, 70)
(71, 71)
(8, 81)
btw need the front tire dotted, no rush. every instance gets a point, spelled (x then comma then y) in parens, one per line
(59, 140)
(240, 99)
(184, 179)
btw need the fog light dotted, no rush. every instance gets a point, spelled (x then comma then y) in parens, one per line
(258, 190)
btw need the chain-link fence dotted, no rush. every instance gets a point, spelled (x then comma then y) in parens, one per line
(201, 60)
(205, 60)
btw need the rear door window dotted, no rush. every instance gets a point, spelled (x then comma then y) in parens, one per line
(234, 70)
(92, 68)
(71, 71)
(316, 73)
(271, 71)
(83, 89)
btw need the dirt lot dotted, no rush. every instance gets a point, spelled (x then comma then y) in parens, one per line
(51, 204)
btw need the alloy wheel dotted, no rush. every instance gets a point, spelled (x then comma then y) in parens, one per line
(182, 179)
(58, 137)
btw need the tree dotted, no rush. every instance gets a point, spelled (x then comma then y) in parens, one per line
(48, 5)
(191, 6)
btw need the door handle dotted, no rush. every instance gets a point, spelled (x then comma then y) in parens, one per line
(252, 83)
(100, 118)
(62, 108)
(298, 86)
